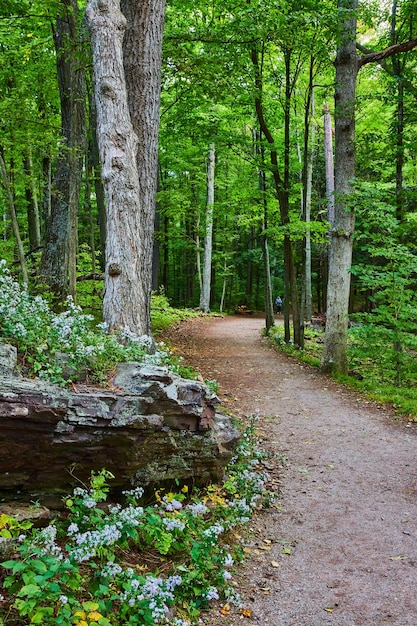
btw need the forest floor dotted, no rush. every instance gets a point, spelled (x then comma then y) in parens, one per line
(340, 544)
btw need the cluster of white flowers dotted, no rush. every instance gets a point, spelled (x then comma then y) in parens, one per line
(171, 504)
(197, 508)
(45, 540)
(110, 570)
(233, 596)
(212, 532)
(87, 499)
(134, 494)
(172, 524)
(212, 594)
(127, 516)
(157, 592)
(89, 542)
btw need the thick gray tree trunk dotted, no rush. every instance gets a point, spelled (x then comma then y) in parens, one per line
(125, 297)
(142, 58)
(335, 345)
(208, 239)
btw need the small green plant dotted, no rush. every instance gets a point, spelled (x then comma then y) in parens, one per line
(91, 567)
(11, 528)
(60, 348)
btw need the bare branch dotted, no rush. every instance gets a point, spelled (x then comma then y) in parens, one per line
(406, 83)
(376, 57)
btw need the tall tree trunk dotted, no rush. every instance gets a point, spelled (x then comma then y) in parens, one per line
(307, 180)
(269, 307)
(398, 68)
(34, 225)
(124, 298)
(208, 239)
(142, 58)
(329, 163)
(268, 301)
(10, 203)
(282, 192)
(335, 344)
(98, 182)
(59, 255)
(307, 217)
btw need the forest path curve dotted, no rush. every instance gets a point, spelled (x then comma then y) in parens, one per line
(348, 508)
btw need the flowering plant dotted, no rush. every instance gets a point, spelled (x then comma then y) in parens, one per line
(61, 347)
(94, 566)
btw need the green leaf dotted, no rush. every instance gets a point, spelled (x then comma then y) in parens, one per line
(30, 591)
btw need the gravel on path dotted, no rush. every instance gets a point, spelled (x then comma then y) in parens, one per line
(340, 546)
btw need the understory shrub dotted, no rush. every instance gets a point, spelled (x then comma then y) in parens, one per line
(135, 564)
(62, 347)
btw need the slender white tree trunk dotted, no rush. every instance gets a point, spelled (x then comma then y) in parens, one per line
(124, 292)
(328, 159)
(208, 239)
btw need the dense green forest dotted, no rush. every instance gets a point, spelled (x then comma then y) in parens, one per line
(247, 206)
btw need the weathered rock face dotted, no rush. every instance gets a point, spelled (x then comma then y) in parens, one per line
(153, 426)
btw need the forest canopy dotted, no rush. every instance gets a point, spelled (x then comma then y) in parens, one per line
(245, 87)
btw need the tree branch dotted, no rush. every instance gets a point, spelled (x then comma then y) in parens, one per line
(406, 83)
(371, 57)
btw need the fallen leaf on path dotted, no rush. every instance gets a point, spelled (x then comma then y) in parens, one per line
(397, 558)
(329, 609)
(225, 610)
(286, 551)
(275, 564)
(246, 612)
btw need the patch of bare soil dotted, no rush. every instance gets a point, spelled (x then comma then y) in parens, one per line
(342, 548)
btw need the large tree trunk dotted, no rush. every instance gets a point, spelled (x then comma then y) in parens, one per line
(335, 345)
(142, 57)
(59, 254)
(125, 297)
(208, 239)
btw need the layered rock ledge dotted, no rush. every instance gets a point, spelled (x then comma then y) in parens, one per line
(151, 427)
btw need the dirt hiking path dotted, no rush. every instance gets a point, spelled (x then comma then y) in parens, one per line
(343, 548)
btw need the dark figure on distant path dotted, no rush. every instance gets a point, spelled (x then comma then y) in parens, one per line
(278, 304)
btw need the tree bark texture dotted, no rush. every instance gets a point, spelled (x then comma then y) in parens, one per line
(142, 58)
(126, 294)
(59, 255)
(335, 345)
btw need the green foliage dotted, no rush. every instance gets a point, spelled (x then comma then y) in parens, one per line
(163, 315)
(62, 347)
(78, 570)
(11, 528)
(386, 343)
